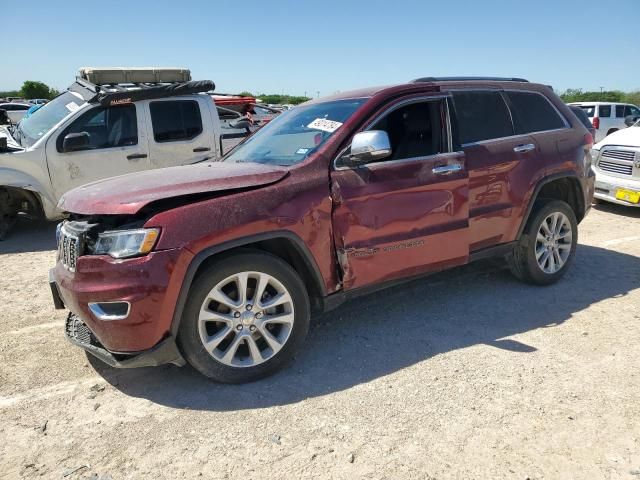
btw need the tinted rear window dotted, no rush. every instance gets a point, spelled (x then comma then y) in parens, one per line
(481, 116)
(532, 112)
(588, 109)
(604, 111)
(175, 120)
(582, 116)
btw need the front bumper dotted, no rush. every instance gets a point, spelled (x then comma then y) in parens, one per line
(608, 185)
(149, 285)
(164, 352)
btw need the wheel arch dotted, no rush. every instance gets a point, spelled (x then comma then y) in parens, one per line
(284, 244)
(562, 186)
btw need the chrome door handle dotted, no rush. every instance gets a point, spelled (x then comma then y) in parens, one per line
(527, 147)
(136, 156)
(447, 169)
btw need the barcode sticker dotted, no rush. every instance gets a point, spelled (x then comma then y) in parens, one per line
(324, 125)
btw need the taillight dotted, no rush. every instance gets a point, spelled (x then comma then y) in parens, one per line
(588, 140)
(596, 122)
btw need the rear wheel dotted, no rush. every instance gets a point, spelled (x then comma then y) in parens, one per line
(246, 316)
(547, 246)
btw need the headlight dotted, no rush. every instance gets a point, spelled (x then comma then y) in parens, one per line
(126, 243)
(595, 153)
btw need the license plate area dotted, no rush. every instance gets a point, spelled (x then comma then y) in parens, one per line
(626, 195)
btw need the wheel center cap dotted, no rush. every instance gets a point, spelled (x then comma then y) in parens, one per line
(247, 318)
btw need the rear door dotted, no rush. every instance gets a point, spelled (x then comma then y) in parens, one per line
(181, 131)
(117, 145)
(406, 214)
(501, 165)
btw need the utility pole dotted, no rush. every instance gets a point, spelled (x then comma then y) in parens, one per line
(305, 94)
(601, 88)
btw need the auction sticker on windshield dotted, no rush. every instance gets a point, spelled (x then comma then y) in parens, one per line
(72, 107)
(325, 125)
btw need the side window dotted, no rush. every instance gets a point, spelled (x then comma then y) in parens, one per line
(604, 111)
(414, 130)
(481, 116)
(532, 112)
(175, 120)
(633, 110)
(620, 111)
(107, 127)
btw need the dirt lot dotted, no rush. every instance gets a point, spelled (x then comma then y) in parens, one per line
(468, 374)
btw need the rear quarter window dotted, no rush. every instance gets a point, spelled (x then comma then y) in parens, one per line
(481, 116)
(532, 112)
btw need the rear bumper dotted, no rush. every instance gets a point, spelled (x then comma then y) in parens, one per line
(164, 352)
(607, 185)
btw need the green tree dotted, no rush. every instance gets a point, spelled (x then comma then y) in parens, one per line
(632, 97)
(35, 89)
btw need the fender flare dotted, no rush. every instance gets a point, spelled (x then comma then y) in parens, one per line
(541, 183)
(206, 253)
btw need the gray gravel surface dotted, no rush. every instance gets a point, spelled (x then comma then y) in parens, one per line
(466, 374)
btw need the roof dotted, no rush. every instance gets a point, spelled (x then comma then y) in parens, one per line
(434, 83)
(599, 103)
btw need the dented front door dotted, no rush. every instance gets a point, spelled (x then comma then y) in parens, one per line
(400, 218)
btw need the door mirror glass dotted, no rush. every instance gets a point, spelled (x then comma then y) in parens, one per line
(75, 141)
(369, 146)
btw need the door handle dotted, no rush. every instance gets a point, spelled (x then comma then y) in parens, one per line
(447, 169)
(526, 147)
(201, 149)
(136, 156)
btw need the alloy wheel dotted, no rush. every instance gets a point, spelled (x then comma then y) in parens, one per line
(553, 242)
(246, 319)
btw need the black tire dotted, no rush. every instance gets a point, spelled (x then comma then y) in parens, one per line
(522, 261)
(189, 340)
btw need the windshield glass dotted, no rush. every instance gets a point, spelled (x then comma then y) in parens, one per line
(294, 135)
(30, 129)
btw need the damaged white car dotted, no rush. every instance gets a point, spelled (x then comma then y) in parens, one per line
(109, 122)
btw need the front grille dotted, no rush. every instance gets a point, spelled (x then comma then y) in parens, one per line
(76, 330)
(619, 154)
(68, 249)
(615, 167)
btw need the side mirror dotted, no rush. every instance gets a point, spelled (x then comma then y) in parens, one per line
(241, 123)
(369, 146)
(75, 141)
(630, 120)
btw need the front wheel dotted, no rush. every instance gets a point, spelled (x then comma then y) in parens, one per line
(547, 246)
(246, 316)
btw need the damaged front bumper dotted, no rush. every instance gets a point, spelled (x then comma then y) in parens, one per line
(164, 352)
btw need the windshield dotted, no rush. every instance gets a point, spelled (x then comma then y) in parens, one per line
(295, 134)
(30, 129)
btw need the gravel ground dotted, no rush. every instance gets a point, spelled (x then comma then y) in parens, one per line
(467, 374)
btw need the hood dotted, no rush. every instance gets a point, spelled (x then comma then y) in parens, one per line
(128, 194)
(628, 137)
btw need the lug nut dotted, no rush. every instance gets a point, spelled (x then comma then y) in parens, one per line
(236, 314)
(239, 327)
(259, 315)
(252, 328)
(249, 307)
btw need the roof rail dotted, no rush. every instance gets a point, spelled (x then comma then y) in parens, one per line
(464, 79)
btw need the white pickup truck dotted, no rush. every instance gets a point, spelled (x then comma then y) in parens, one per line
(109, 122)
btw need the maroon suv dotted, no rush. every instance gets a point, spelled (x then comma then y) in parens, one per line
(222, 264)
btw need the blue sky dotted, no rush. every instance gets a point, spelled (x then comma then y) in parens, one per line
(326, 46)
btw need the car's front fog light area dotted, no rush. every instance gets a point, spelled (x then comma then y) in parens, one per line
(126, 243)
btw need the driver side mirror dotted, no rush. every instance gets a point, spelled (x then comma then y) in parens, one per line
(241, 123)
(630, 120)
(368, 147)
(75, 141)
